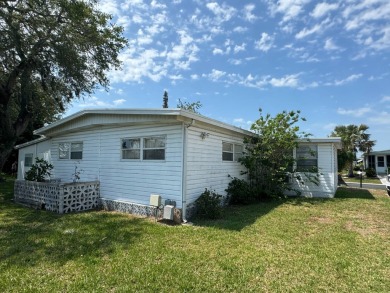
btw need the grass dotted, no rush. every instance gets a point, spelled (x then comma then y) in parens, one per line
(365, 180)
(294, 245)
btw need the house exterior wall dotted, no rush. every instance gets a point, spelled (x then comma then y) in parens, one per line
(327, 165)
(381, 161)
(205, 167)
(39, 149)
(123, 180)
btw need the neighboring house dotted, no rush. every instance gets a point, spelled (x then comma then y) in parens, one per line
(380, 161)
(170, 152)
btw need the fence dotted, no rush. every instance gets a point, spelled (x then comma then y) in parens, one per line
(58, 197)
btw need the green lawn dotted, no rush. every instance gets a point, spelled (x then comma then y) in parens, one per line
(295, 245)
(364, 180)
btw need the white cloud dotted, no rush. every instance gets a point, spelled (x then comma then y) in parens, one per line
(119, 102)
(239, 48)
(248, 12)
(348, 79)
(240, 29)
(354, 112)
(222, 12)
(215, 75)
(265, 43)
(382, 118)
(286, 81)
(306, 32)
(290, 9)
(330, 45)
(385, 99)
(323, 8)
(217, 51)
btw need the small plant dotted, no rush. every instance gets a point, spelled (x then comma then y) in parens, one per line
(76, 175)
(240, 192)
(370, 172)
(39, 171)
(209, 205)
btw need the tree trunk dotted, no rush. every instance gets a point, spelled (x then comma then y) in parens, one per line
(350, 172)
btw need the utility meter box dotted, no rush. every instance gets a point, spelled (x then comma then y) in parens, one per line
(155, 200)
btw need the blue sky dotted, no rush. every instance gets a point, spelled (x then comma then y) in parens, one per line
(330, 59)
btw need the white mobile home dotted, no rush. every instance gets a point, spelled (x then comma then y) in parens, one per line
(379, 161)
(170, 152)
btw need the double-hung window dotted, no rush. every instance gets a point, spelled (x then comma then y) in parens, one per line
(231, 152)
(307, 158)
(145, 148)
(70, 150)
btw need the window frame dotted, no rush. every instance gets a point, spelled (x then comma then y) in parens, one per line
(70, 151)
(381, 163)
(142, 148)
(235, 155)
(313, 156)
(28, 155)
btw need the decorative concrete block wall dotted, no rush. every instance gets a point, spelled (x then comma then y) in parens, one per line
(58, 197)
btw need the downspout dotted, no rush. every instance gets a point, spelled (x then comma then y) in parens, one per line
(184, 175)
(184, 171)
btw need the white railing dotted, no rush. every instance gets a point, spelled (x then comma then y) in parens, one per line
(58, 197)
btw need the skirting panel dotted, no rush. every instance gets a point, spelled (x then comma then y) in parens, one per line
(136, 209)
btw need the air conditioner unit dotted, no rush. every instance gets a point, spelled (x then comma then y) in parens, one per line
(168, 212)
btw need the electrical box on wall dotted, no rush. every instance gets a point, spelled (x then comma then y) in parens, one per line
(155, 200)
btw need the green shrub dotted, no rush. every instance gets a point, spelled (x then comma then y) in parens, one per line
(240, 192)
(370, 172)
(209, 205)
(39, 171)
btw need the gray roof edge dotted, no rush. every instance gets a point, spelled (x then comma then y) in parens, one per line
(26, 144)
(168, 112)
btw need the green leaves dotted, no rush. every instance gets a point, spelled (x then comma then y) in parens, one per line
(51, 51)
(270, 152)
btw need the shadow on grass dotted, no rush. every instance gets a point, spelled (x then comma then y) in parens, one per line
(344, 193)
(29, 236)
(238, 217)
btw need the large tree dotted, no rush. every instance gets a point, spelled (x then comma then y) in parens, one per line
(51, 51)
(354, 138)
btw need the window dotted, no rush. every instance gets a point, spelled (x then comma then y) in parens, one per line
(371, 162)
(227, 151)
(73, 150)
(231, 152)
(381, 161)
(131, 149)
(307, 160)
(238, 151)
(28, 160)
(150, 148)
(154, 148)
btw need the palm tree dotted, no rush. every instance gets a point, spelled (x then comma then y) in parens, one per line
(354, 138)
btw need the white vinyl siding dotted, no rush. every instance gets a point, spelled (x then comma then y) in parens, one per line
(205, 168)
(125, 179)
(327, 169)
